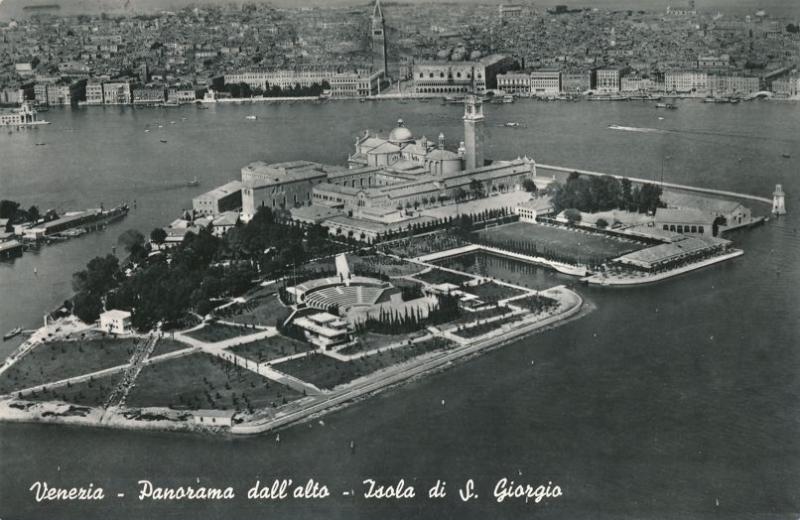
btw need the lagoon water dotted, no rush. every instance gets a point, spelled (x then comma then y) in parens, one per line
(664, 402)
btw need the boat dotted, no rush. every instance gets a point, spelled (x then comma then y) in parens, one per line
(666, 105)
(193, 182)
(11, 333)
(147, 131)
(508, 98)
(786, 155)
(41, 144)
(251, 117)
(511, 124)
(163, 140)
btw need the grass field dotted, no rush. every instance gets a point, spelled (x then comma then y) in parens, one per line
(578, 246)
(263, 309)
(214, 332)
(166, 345)
(200, 381)
(87, 393)
(325, 372)
(371, 341)
(271, 348)
(58, 360)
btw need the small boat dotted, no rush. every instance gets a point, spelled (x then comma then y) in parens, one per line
(11, 333)
(251, 117)
(147, 131)
(163, 140)
(786, 155)
(41, 144)
(508, 98)
(193, 182)
(511, 124)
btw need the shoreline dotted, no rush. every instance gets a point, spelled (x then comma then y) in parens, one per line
(19, 410)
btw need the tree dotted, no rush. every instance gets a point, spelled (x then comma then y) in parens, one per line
(601, 223)
(529, 186)
(130, 239)
(158, 235)
(572, 215)
(33, 214)
(476, 187)
(8, 208)
(87, 306)
(626, 198)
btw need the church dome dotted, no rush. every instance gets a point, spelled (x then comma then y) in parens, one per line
(400, 134)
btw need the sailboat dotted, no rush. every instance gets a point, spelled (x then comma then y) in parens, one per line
(193, 182)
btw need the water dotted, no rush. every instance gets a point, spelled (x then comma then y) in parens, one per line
(662, 401)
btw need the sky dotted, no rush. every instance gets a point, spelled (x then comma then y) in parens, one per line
(14, 8)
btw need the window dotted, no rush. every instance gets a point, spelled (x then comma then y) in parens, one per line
(666, 227)
(701, 229)
(694, 229)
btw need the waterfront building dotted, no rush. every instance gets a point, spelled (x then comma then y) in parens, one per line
(787, 87)
(115, 321)
(575, 82)
(379, 54)
(460, 77)
(11, 249)
(687, 221)
(517, 83)
(94, 93)
(117, 93)
(546, 82)
(181, 94)
(728, 85)
(608, 79)
(59, 95)
(11, 96)
(149, 95)
(40, 94)
(682, 249)
(685, 81)
(280, 186)
(22, 116)
(353, 83)
(637, 84)
(735, 213)
(227, 197)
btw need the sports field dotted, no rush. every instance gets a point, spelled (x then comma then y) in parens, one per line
(569, 245)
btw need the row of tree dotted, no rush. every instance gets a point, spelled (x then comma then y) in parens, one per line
(391, 321)
(244, 90)
(602, 193)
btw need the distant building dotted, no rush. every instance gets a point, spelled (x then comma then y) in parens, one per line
(181, 94)
(460, 77)
(517, 83)
(117, 93)
(94, 93)
(788, 87)
(59, 95)
(149, 95)
(353, 83)
(545, 82)
(742, 85)
(115, 321)
(575, 82)
(685, 81)
(608, 80)
(227, 197)
(379, 53)
(510, 11)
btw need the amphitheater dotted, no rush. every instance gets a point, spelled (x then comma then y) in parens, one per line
(345, 290)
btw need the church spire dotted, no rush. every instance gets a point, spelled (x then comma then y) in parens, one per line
(376, 11)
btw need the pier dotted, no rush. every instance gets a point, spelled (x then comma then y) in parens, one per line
(708, 191)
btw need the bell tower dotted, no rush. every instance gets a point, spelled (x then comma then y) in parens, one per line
(473, 133)
(778, 201)
(379, 58)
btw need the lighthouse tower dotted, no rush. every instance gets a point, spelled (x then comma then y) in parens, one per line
(778, 201)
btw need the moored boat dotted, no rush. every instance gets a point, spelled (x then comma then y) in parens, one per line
(12, 333)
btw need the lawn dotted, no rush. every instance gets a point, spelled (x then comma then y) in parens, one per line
(87, 393)
(371, 341)
(483, 314)
(557, 242)
(492, 292)
(271, 348)
(200, 381)
(60, 359)
(437, 276)
(386, 265)
(166, 345)
(536, 303)
(263, 309)
(326, 372)
(214, 332)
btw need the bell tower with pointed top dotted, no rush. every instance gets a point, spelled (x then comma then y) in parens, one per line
(379, 58)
